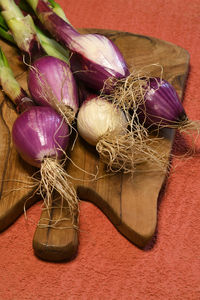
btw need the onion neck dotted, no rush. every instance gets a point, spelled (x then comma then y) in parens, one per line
(23, 102)
(60, 29)
(183, 117)
(11, 87)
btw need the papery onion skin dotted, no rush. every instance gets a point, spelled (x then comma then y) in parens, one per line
(96, 57)
(38, 133)
(162, 105)
(51, 76)
(98, 117)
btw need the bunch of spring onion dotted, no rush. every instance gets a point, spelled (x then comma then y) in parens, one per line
(120, 149)
(51, 81)
(41, 137)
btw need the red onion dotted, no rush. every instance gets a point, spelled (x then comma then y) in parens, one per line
(39, 133)
(51, 83)
(162, 105)
(95, 58)
(41, 136)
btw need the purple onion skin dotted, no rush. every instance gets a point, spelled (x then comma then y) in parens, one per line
(95, 58)
(52, 76)
(162, 104)
(38, 133)
(95, 74)
(34, 51)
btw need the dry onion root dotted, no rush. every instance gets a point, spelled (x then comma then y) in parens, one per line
(126, 93)
(124, 153)
(103, 125)
(55, 179)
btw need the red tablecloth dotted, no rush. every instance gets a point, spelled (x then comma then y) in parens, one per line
(107, 265)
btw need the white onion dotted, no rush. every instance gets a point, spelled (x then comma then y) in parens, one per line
(98, 117)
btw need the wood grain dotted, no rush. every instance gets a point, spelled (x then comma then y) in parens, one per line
(129, 202)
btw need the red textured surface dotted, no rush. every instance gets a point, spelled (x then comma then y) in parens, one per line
(107, 265)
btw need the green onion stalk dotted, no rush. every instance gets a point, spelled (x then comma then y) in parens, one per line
(11, 87)
(57, 9)
(21, 30)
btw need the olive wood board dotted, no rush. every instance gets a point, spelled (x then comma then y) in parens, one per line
(130, 202)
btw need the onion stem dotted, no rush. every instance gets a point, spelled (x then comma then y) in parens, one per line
(57, 9)
(5, 35)
(51, 47)
(22, 28)
(28, 37)
(11, 87)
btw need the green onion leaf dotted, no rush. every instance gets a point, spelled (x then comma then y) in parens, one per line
(3, 60)
(7, 36)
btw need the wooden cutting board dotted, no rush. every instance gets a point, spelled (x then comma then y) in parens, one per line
(129, 202)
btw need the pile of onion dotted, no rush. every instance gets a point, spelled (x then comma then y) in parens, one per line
(98, 63)
(121, 139)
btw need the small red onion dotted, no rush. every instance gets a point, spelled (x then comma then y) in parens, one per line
(50, 80)
(162, 105)
(38, 133)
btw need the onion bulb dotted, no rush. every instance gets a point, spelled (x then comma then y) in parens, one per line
(101, 119)
(39, 133)
(162, 105)
(51, 83)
